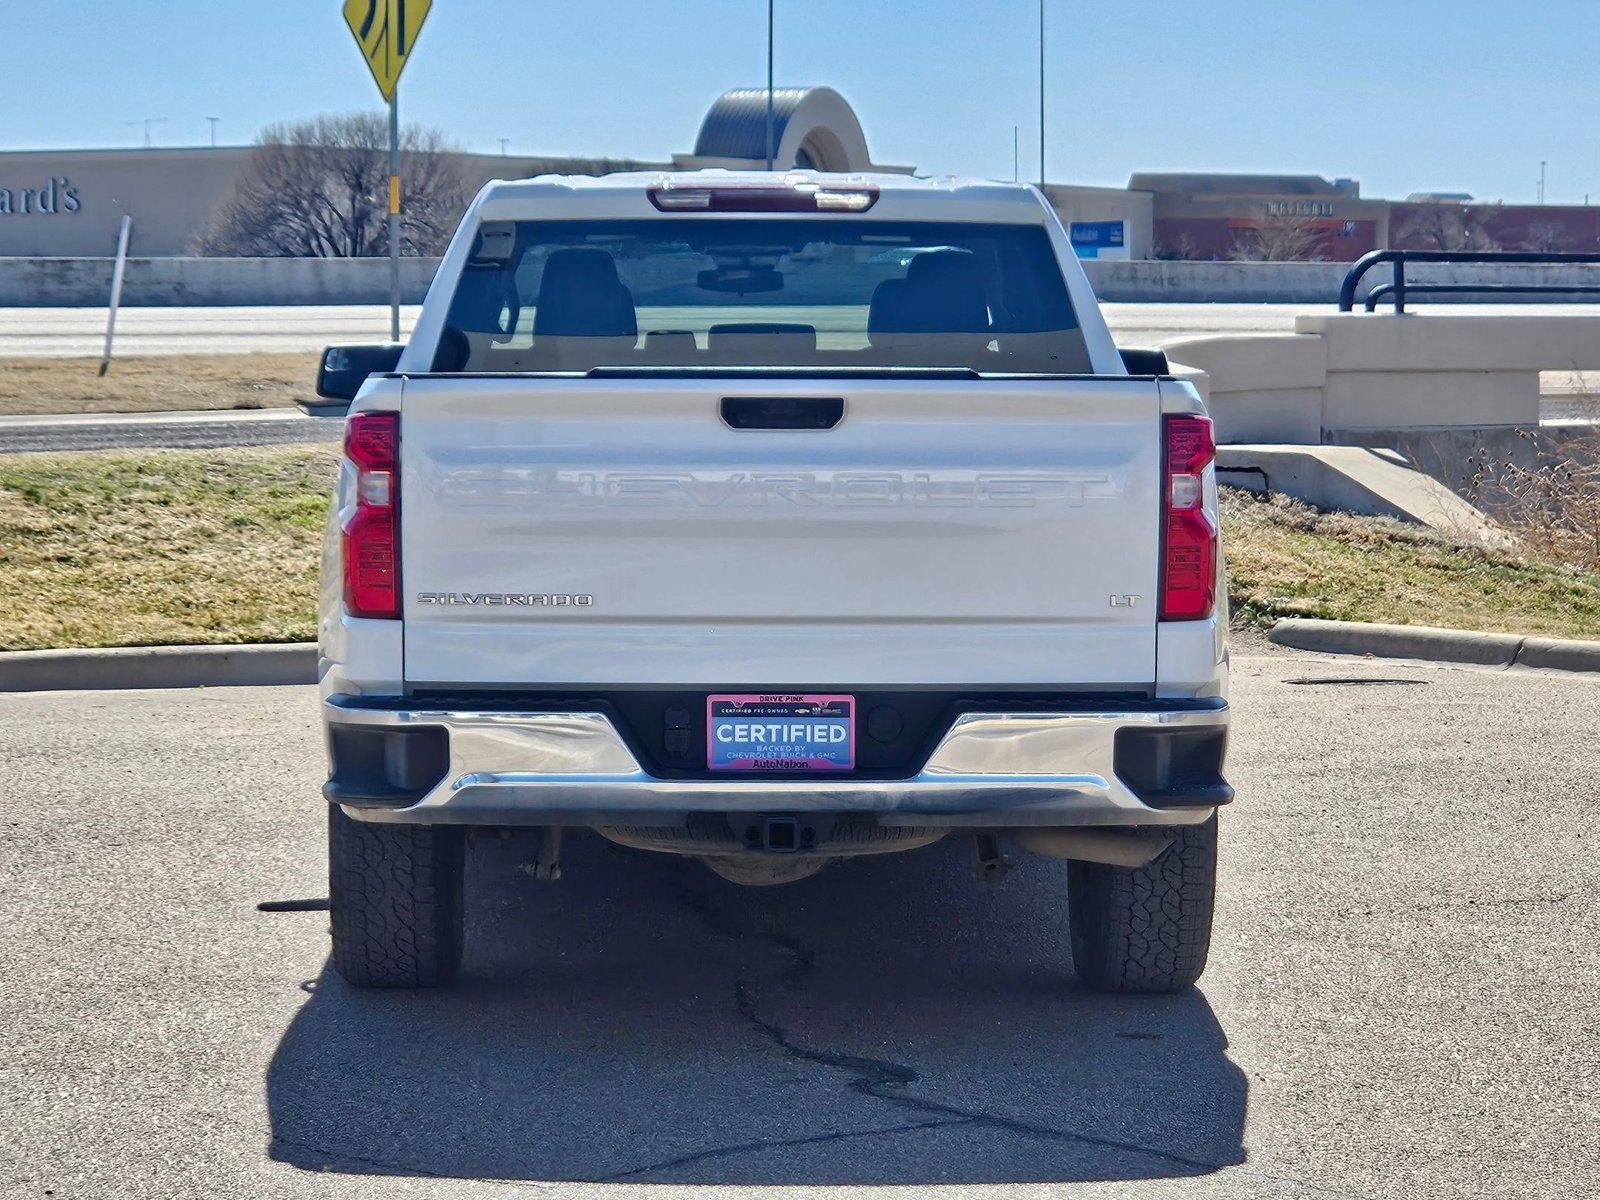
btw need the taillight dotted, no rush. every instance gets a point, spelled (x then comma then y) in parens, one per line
(1188, 536)
(372, 535)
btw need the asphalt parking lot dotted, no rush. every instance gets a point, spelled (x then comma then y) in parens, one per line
(1403, 1001)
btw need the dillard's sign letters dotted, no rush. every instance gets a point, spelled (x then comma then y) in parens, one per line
(57, 196)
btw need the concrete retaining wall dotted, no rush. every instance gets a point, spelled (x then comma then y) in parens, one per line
(1307, 283)
(1155, 282)
(157, 282)
(85, 282)
(1355, 479)
(1354, 377)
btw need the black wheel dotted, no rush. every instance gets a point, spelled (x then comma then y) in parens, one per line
(1146, 929)
(395, 896)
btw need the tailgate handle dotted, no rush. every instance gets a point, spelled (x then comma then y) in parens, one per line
(782, 412)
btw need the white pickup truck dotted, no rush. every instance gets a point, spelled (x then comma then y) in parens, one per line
(771, 519)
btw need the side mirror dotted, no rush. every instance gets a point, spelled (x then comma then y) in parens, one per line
(345, 368)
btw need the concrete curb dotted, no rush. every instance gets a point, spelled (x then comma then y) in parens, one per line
(1437, 645)
(158, 667)
(1559, 654)
(135, 667)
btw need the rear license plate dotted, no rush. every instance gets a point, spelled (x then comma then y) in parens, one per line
(783, 734)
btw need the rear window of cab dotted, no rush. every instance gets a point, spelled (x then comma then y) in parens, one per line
(683, 291)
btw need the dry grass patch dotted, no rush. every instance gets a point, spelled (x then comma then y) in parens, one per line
(113, 548)
(160, 383)
(1286, 559)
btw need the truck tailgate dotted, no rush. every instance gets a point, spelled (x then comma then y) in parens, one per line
(619, 532)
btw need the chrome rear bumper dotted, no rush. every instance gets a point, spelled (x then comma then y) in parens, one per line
(575, 768)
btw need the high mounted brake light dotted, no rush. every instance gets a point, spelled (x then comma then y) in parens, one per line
(799, 197)
(1188, 536)
(372, 535)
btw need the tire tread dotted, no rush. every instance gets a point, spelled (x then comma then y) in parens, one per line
(395, 895)
(1147, 929)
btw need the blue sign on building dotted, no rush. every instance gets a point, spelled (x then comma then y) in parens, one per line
(1099, 239)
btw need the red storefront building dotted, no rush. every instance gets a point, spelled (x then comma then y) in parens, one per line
(1198, 216)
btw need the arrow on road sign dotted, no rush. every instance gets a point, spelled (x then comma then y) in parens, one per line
(386, 30)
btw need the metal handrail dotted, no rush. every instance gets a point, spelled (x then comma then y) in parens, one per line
(1381, 293)
(1400, 289)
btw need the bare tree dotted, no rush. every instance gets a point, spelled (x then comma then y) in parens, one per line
(320, 189)
(1279, 237)
(1550, 499)
(1181, 248)
(1546, 237)
(1443, 226)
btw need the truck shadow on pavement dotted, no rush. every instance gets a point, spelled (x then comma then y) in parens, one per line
(887, 1021)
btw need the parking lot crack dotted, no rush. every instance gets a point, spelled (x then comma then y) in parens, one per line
(881, 1079)
(874, 1076)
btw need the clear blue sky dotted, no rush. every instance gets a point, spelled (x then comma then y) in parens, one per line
(1404, 95)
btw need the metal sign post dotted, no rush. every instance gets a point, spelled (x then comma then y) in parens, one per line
(394, 216)
(386, 31)
(117, 273)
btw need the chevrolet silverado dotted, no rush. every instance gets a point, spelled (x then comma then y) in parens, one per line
(771, 519)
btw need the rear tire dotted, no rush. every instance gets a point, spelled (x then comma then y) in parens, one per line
(1147, 929)
(395, 894)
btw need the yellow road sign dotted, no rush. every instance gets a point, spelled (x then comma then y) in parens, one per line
(386, 30)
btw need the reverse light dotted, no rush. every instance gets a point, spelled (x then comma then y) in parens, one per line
(836, 201)
(1188, 535)
(372, 534)
(674, 198)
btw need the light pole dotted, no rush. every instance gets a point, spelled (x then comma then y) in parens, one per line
(1542, 165)
(213, 121)
(771, 149)
(504, 142)
(147, 122)
(1041, 95)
